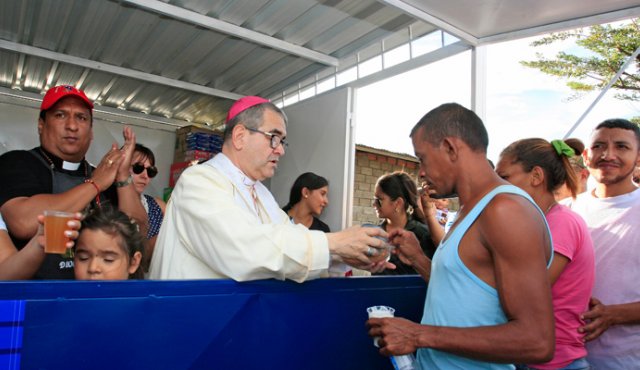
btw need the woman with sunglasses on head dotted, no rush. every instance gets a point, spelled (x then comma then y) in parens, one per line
(143, 169)
(396, 202)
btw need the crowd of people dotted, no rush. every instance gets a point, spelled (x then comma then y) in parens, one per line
(520, 280)
(534, 271)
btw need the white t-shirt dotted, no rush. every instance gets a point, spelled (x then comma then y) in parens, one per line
(614, 224)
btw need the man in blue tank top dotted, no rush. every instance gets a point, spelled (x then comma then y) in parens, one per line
(488, 304)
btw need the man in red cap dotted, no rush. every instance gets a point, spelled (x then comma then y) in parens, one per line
(223, 223)
(55, 176)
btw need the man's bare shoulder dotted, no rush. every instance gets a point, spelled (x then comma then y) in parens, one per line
(508, 206)
(510, 217)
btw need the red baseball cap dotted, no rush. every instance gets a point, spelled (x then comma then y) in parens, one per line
(243, 104)
(56, 93)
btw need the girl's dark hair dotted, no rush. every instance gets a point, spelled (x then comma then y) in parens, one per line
(400, 185)
(576, 144)
(116, 223)
(539, 152)
(307, 180)
(146, 153)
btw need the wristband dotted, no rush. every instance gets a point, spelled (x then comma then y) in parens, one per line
(89, 181)
(120, 184)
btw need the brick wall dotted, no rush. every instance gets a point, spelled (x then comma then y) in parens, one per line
(372, 163)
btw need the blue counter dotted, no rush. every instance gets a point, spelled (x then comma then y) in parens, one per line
(212, 324)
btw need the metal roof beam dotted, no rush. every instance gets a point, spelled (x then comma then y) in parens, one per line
(426, 17)
(115, 115)
(126, 72)
(214, 24)
(411, 64)
(614, 16)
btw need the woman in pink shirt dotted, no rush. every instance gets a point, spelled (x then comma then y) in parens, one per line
(539, 168)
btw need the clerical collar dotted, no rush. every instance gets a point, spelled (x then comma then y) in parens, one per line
(70, 166)
(58, 162)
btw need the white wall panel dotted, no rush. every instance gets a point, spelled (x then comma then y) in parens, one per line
(320, 140)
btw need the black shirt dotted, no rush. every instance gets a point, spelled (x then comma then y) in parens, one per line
(24, 174)
(423, 234)
(319, 225)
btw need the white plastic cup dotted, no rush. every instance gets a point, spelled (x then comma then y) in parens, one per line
(377, 312)
(401, 362)
(55, 224)
(380, 311)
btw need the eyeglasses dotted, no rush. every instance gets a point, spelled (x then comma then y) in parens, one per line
(275, 138)
(137, 168)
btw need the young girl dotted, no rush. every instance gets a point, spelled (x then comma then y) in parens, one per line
(109, 247)
(540, 168)
(307, 200)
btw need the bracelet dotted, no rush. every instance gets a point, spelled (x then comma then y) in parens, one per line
(120, 184)
(89, 181)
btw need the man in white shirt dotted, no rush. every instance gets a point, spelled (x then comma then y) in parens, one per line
(223, 223)
(612, 212)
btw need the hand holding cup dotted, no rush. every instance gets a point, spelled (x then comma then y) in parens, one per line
(60, 228)
(379, 254)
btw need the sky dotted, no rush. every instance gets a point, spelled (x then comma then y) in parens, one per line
(521, 102)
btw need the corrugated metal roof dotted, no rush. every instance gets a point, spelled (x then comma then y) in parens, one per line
(137, 39)
(187, 59)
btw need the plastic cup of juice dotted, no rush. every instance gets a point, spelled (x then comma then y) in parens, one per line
(55, 224)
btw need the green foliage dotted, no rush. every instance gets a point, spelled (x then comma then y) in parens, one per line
(606, 48)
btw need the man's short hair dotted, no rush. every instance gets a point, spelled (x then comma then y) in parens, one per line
(623, 124)
(453, 120)
(252, 118)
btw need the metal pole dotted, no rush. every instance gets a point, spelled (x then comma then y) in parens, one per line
(604, 91)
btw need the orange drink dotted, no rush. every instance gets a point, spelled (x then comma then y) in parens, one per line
(55, 224)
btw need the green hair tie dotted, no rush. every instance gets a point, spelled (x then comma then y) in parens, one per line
(562, 148)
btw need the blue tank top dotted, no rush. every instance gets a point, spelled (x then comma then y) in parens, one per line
(458, 298)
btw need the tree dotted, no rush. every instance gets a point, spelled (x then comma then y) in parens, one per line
(607, 49)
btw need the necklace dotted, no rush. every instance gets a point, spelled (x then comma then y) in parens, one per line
(550, 206)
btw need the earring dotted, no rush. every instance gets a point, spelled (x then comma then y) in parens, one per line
(306, 196)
